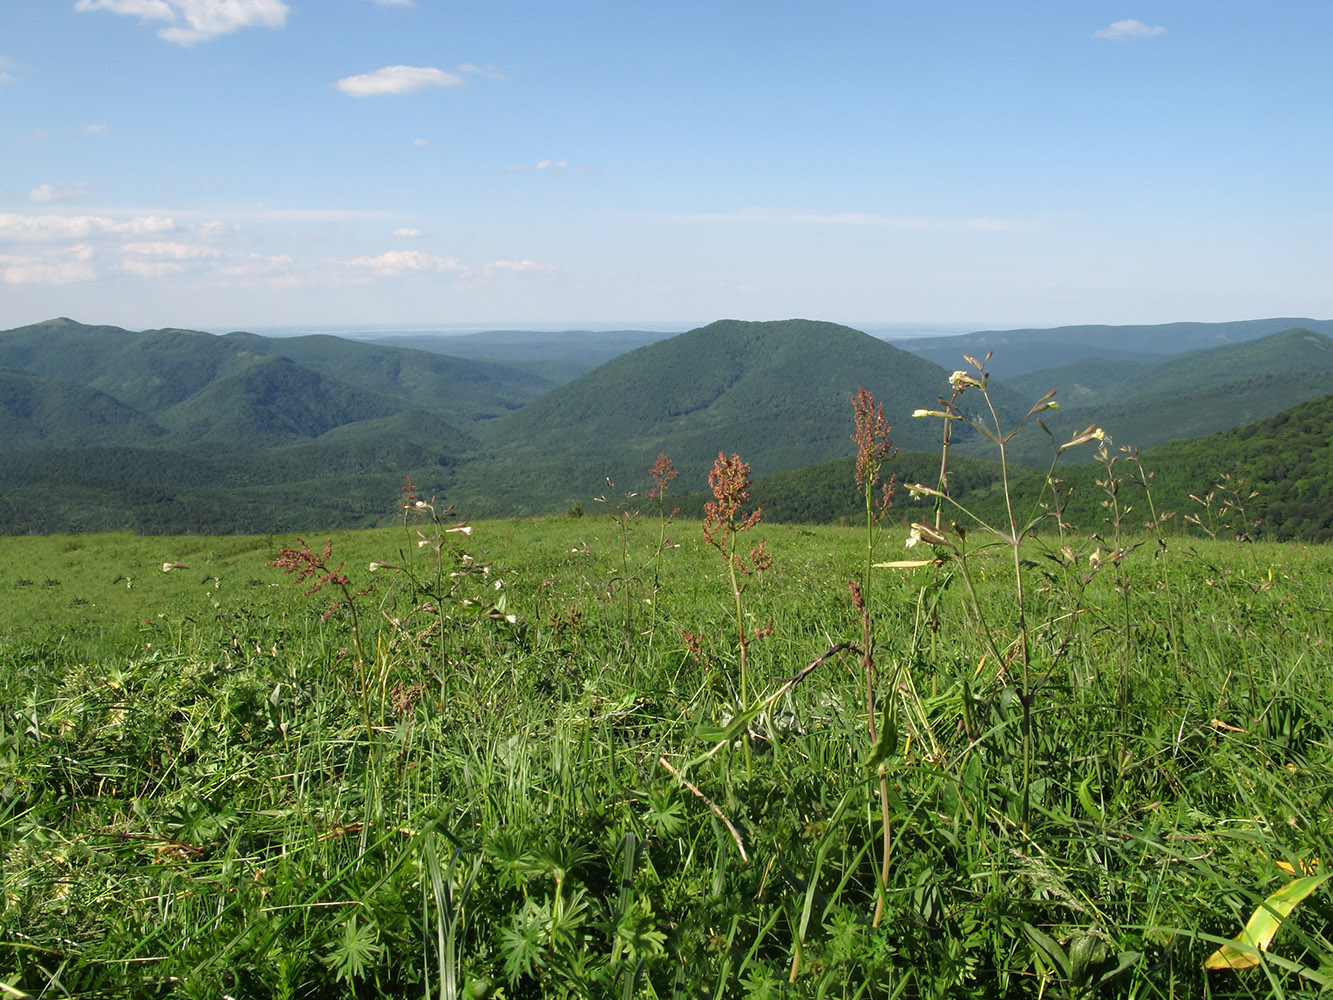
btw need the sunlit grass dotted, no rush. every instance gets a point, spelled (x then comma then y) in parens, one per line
(190, 801)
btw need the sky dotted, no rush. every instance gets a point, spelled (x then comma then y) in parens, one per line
(246, 164)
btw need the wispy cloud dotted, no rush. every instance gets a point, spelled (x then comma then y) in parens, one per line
(515, 267)
(490, 71)
(5, 75)
(397, 80)
(400, 263)
(95, 129)
(1128, 30)
(547, 165)
(868, 219)
(420, 143)
(160, 259)
(408, 234)
(60, 267)
(58, 192)
(394, 3)
(191, 21)
(53, 228)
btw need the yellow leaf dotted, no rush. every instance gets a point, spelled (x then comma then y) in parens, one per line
(1243, 952)
(905, 564)
(1307, 867)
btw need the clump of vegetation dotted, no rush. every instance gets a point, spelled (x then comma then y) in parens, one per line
(1007, 766)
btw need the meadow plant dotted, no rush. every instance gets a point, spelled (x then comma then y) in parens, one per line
(725, 520)
(625, 513)
(662, 472)
(306, 566)
(444, 581)
(874, 450)
(950, 543)
(1231, 497)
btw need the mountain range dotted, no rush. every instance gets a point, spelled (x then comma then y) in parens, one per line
(176, 430)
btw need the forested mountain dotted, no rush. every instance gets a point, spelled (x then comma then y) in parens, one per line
(157, 369)
(173, 430)
(1185, 395)
(1272, 478)
(572, 351)
(778, 393)
(36, 410)
(1019, 352)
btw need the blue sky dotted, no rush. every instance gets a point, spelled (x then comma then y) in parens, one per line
(253, 163)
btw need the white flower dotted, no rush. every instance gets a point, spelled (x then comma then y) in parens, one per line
(374, 566)
(960, 380)
(924, 533)
(166, 567)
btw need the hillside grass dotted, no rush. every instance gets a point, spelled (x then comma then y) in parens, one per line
(531, 781)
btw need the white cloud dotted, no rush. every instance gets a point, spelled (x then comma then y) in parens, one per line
(60, 267)
(169, 251)
(191, 21)
(161, 259)
(5, 66)
(408, 234)
(421, 143)
(398, 263)
(1123, 31)
(397, 80)
(58, 192)
(395, 3)
(97, 129)
(49, 228)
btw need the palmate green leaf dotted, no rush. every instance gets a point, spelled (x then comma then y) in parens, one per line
(1262, 925)
(357, 949)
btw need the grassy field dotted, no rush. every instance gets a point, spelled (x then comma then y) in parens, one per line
(548, 759)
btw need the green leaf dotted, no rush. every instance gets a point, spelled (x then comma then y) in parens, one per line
(888, 734)
(358, 949)
(1243, 952)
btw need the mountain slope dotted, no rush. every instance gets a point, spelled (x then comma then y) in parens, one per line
(37, 410)
(271, 401)
(154, 370)
(1022, 351)
(777, 393)
(1185, 395)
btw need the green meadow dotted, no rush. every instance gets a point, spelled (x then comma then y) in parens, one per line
(546, 758)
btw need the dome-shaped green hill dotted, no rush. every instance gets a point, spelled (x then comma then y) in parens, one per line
(778, 393)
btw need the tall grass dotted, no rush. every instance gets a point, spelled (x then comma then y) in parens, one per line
(510, 800)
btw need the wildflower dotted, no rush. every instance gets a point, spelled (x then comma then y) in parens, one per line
(924, 533)
(1090, 433)
(962, 380)
(918, 491)
(873, 447)
(730, 481)
(662, 473)
(166, 567)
